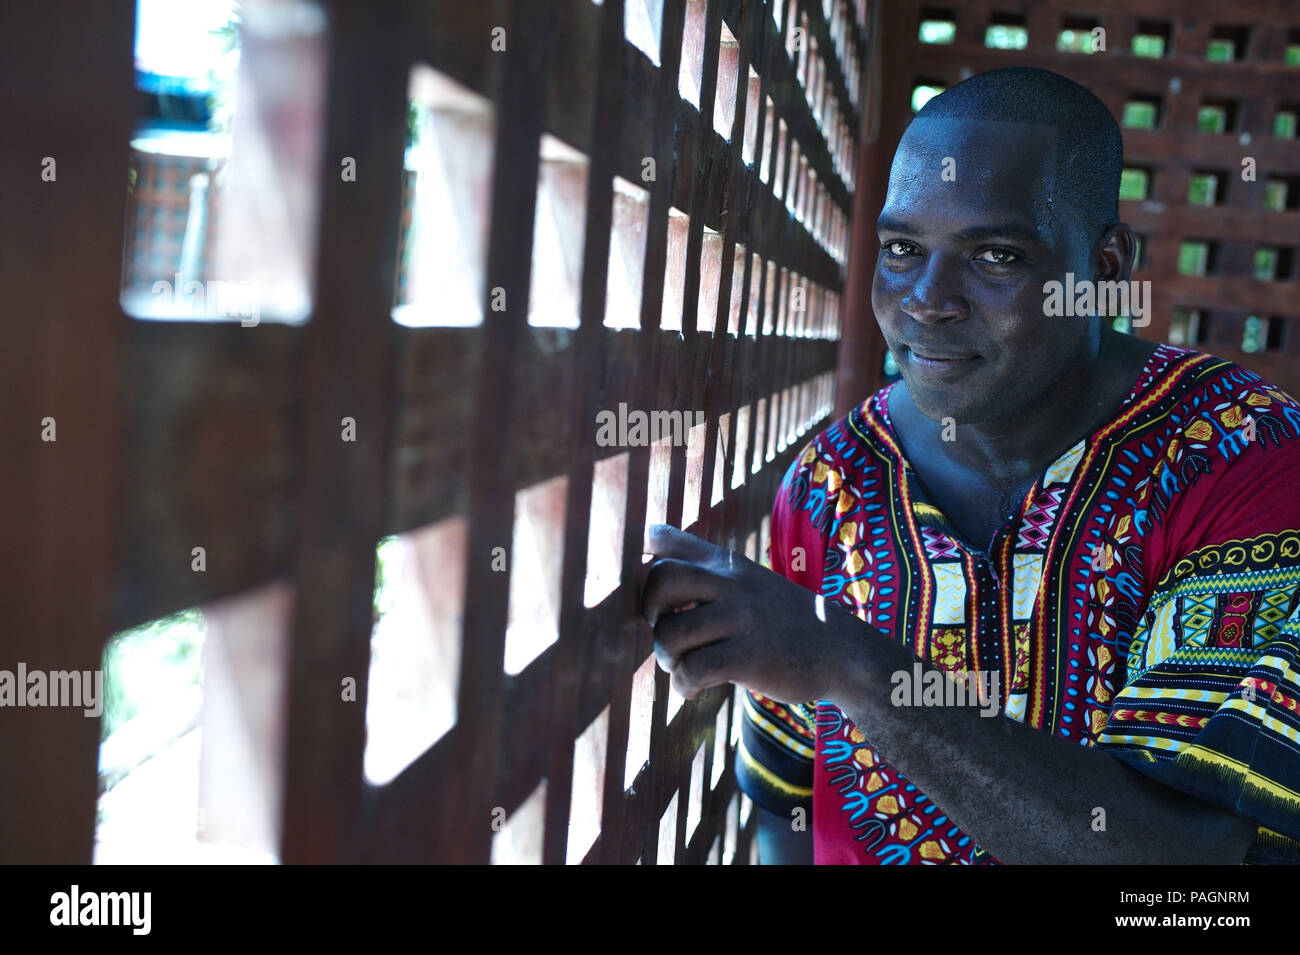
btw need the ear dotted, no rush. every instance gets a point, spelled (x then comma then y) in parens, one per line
(1116, 254)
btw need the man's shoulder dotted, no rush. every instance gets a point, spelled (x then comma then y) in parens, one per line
(848, 445)
(1213, 394)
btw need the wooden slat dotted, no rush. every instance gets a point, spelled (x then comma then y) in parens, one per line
(348, 375)
(60, 265)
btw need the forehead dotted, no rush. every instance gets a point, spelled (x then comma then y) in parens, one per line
(975, 169)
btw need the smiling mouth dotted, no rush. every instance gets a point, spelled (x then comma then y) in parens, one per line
(934, 362)
(936, 355)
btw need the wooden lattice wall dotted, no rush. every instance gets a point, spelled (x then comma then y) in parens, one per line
(173, 435)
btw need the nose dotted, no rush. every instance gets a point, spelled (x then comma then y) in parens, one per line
(935, 296)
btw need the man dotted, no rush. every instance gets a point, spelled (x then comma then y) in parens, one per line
(1102, 533)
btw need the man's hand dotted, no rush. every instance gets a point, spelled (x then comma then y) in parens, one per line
(718, 617)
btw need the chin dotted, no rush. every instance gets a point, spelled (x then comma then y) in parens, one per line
(938, 404)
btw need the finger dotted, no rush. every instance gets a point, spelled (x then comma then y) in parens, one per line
(700, 669)
(673, 583)
(664, 540)
(680, 633)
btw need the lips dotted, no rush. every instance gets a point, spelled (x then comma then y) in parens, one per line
(938, 354)
(939, 364)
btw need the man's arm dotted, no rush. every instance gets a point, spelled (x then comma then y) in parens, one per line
(779, 844)
(1025, 796)
(1022, 794)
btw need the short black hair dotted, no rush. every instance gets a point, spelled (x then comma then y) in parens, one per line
(1090, 148)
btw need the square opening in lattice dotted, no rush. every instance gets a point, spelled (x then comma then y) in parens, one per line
(753, 116)
(937, 25)
(1217, 116)
(1284, 120)
(1227, 43)
(1291, 54)
(191, 721)
(1152, 38)
(1207, 187)
(1077, 35)
(724, 101)
(643, 25)
(1262, 334)
(536, 557)
(778, 180)
(706, 311)
(770, 303)
(694, 474)
(720, 459)
(731, 834)
(719, 746)
(1282, 193)
(446, 204)
(668, 833)
(923, 91)
(1274, 263)
(1197, 257)
(559, 231)
(775, 432)
(224, 174)
(691, 75)
(1135, 183)
(519, 840)
(782, 302)
(754, 303)
(1007, 31)
(415, 647)
(605, 533)
(674, 297)
(627, 255)
(742, 446)
(736, 302)
(695, 796)
(640, 720)
(769, 131)
(760, 435)
(588, 795)
(1142, 112)
(1189, 327)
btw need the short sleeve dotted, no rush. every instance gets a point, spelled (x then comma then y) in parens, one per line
(1211, 698)
(774, 761)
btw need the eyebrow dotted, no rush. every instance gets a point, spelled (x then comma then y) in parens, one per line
(1006, 230)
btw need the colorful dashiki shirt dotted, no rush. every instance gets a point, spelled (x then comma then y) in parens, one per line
(1144, 599)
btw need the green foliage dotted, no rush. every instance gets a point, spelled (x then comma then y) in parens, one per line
(149, 662)
(1220, 51)
(1133, 184)
(1139, 115)
(937, 31)
(384, 592)
(1006, 37)
(1149, 45)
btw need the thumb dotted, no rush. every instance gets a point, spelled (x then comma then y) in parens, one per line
(664, 540)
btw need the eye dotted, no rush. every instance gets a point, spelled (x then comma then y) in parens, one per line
(998, 257)
(899, 250)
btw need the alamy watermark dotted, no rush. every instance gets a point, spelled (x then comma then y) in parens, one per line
(638, 429)
(84, 688)
(211, 299)
(1085, 298)
(941, 688)
(75, 907)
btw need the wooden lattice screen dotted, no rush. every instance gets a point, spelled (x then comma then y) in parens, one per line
(173, 435)
(1199, 89)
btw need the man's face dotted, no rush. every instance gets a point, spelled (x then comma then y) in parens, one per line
(969, 234)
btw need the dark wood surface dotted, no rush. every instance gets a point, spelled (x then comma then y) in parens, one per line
(172, 433)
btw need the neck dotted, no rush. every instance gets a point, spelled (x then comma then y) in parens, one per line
(1017, 446)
